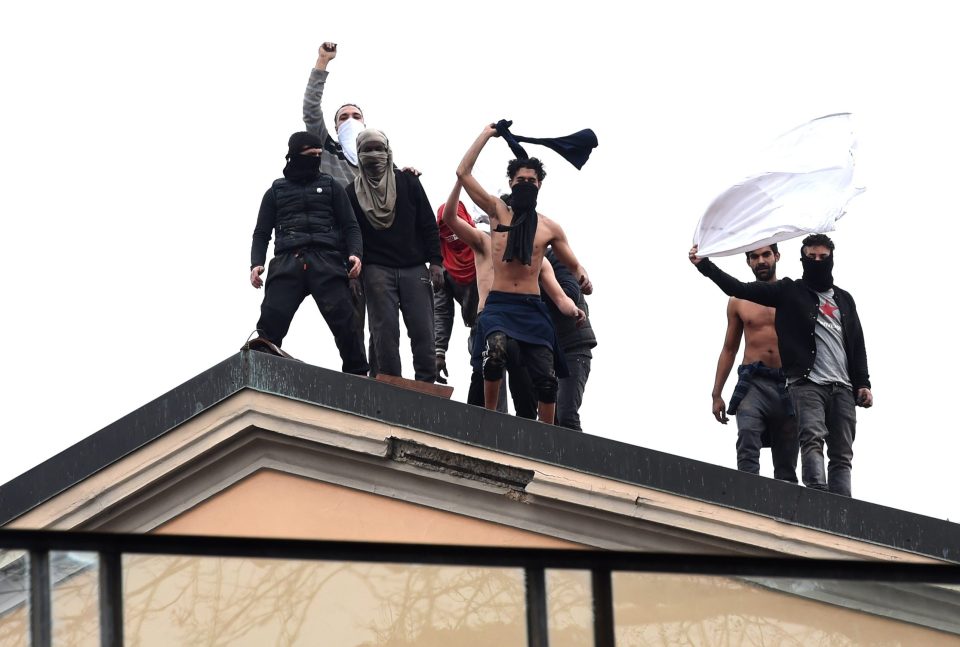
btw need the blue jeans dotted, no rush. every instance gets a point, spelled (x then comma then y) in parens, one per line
(825, 413)
(761, 414)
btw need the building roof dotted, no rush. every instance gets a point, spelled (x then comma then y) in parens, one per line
(610, 459)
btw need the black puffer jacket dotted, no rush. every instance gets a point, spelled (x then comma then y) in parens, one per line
(796, 319)
(315, 215)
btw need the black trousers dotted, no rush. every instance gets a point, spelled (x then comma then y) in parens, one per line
(321, 274)
(407, 291)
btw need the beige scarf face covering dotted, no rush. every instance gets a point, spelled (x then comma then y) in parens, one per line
(376, 184)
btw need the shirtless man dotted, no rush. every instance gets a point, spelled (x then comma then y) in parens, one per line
(513, 308)
(479, 242)
(764, 417)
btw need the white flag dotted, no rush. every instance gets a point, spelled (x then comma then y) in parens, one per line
(803, 184)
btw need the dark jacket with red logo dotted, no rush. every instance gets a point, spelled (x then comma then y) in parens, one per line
(796, 319)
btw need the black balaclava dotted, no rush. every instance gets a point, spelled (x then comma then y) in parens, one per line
(302, 168)
(818, 274)
(523, 228)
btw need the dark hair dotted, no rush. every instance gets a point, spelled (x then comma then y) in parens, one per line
(532, 163)
(337, 112)
(772, 246)
(817, 240)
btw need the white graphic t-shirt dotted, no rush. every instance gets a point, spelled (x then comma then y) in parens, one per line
(830, 364)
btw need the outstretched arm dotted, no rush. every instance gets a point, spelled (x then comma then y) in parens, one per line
(566, 256)
(762, 292)
(470, 235)
(312, 112)
(476, 192)
(728, 355)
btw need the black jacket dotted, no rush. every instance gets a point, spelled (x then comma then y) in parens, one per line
(796, 319)
(412, 239)
(315, 215)
(571, 338)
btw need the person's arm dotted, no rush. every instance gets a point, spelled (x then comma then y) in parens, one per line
(481, 198)
(442, 326)
(728, 356)
(347, 220)
(427, 226)
(312, 112)
(566, 280)
(261, 237)
(762, 292)
(857, 359)
(469, 235)
(564, 254)
(550, 287)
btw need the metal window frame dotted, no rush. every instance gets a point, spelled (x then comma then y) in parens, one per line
(534, 561)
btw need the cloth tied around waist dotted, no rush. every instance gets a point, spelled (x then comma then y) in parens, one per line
(522, 317)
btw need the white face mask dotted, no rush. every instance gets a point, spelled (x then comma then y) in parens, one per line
(347, 134)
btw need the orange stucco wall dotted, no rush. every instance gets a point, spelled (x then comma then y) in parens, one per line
(273, 504)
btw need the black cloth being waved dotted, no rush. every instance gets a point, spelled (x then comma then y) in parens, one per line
(796, 319)
(413, 239)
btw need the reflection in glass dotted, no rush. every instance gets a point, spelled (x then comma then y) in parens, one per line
(14, 598)
(75, 601)
(655, 609)
(569, 608)
(220, 601)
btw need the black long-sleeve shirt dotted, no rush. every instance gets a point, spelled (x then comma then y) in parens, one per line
(412, 239)
(570, 336)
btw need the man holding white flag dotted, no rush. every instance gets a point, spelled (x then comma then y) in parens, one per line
(823, 354)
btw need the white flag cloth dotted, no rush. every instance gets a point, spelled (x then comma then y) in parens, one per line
(803, 187)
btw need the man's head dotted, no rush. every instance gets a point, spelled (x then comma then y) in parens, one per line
(373, 149)
(346, 112)
(817, 247)
(816, 256)
(526, 170)
(763, 262)
(304, 143)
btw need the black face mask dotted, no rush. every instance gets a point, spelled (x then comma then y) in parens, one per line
(523, 227)
(818, 274)
(524, 197)
(302, 168)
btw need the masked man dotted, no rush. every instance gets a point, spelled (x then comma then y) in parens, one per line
(823, 354)
(513, 309)
(400, 237)
(315, 231)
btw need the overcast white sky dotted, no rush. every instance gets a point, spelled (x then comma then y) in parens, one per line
(137, 139)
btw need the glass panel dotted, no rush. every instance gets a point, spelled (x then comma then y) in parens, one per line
(569, 608)
(237, 602)
(654, 609)
(14, 598)
(75, 611)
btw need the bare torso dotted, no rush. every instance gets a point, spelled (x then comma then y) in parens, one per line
(515, 276)
(481, 261)
(759, 333)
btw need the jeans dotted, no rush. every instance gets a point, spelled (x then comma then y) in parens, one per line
(570, 389)
(825, 413)
(321, 274)
(761, 413)
(389, 292)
